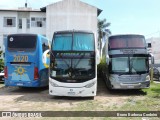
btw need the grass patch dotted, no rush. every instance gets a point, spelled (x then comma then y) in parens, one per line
(150, 102)
(154, 91)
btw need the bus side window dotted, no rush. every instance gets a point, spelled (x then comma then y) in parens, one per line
(44, 47)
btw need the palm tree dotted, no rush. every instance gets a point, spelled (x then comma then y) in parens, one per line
(103, 31)
(1, 62)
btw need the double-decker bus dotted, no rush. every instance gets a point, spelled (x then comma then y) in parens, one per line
(73, 69)
(26, 60)
(127, 62)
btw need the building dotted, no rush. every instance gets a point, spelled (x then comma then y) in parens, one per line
(22, 20)
(63, 15)
(153, 47)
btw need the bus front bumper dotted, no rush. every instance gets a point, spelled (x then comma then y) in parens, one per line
(137, 85)
(22, 83)
(75, 91)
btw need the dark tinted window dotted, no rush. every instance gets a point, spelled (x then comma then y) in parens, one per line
(22, 42)
(127, 41)
(45, 47)
(76, 41)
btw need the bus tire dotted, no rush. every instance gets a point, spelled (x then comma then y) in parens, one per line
(91, 98)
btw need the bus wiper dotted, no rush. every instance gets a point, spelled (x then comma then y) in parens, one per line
(65, 61)
(79, 61)
(139, 73)
(122, 74)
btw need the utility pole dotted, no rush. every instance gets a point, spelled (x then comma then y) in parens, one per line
(26, 4)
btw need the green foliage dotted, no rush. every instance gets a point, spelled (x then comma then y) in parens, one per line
(1, 62)
(102, 31)
(154, 91)
(102, 66)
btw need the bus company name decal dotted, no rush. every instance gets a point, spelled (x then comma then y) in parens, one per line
(128, 51)
(74, 55)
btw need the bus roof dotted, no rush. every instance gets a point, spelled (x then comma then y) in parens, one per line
(22, 34)
(26, 34)
(71, 31)
(121, 35)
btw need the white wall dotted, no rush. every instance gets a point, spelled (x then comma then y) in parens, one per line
(38, 30)
(6, 30)
(155, 49)
(24, 16)
(69, 15)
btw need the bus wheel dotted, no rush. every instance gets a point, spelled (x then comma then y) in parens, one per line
(91, 98)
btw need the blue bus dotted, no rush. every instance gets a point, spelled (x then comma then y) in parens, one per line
(26, 60)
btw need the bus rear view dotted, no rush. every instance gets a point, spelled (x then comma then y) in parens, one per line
(22, 62)
(73, 64)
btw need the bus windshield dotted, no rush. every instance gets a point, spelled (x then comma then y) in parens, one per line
(73, 69)
(76, 41)
(129, 64)
(138, 64)
(19, 42)
(73, 56)
(120, 64)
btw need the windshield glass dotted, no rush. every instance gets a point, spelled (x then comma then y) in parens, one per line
(127, 41)
(21, 42)
(83, 68)
(73, 41)
(130, 64)
(83, 42)
(138, 64)
(73, 69)
(61, 68)
(62, 42)
(120, 64)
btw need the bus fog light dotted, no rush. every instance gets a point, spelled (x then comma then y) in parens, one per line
(90, 85)
(147, 78)
(53, 84)
(112, 79)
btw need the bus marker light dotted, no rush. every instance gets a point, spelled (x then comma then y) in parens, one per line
(36, 76)
(5, 72)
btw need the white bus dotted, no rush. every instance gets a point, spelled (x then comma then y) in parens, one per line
(128, 62)
(73, 68)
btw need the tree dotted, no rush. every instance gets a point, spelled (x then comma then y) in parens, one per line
(102, 31)
(1, 62)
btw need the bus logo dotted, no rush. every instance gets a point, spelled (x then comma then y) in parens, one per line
(6, 114)
(20, 70)
(11, 39)
(71, 90)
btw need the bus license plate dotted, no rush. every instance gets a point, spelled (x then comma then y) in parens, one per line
(19, 84)
(130, 86)
(71, 93)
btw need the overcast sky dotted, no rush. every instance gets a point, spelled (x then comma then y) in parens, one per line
(126, 16)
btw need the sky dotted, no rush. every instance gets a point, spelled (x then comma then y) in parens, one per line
(125, 16)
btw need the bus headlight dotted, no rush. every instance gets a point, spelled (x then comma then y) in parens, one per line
(53, 84)
(90, 85)
(112, 78)
(147, 77)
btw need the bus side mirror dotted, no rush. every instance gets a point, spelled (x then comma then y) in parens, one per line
(152, 58)
(107, 60)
